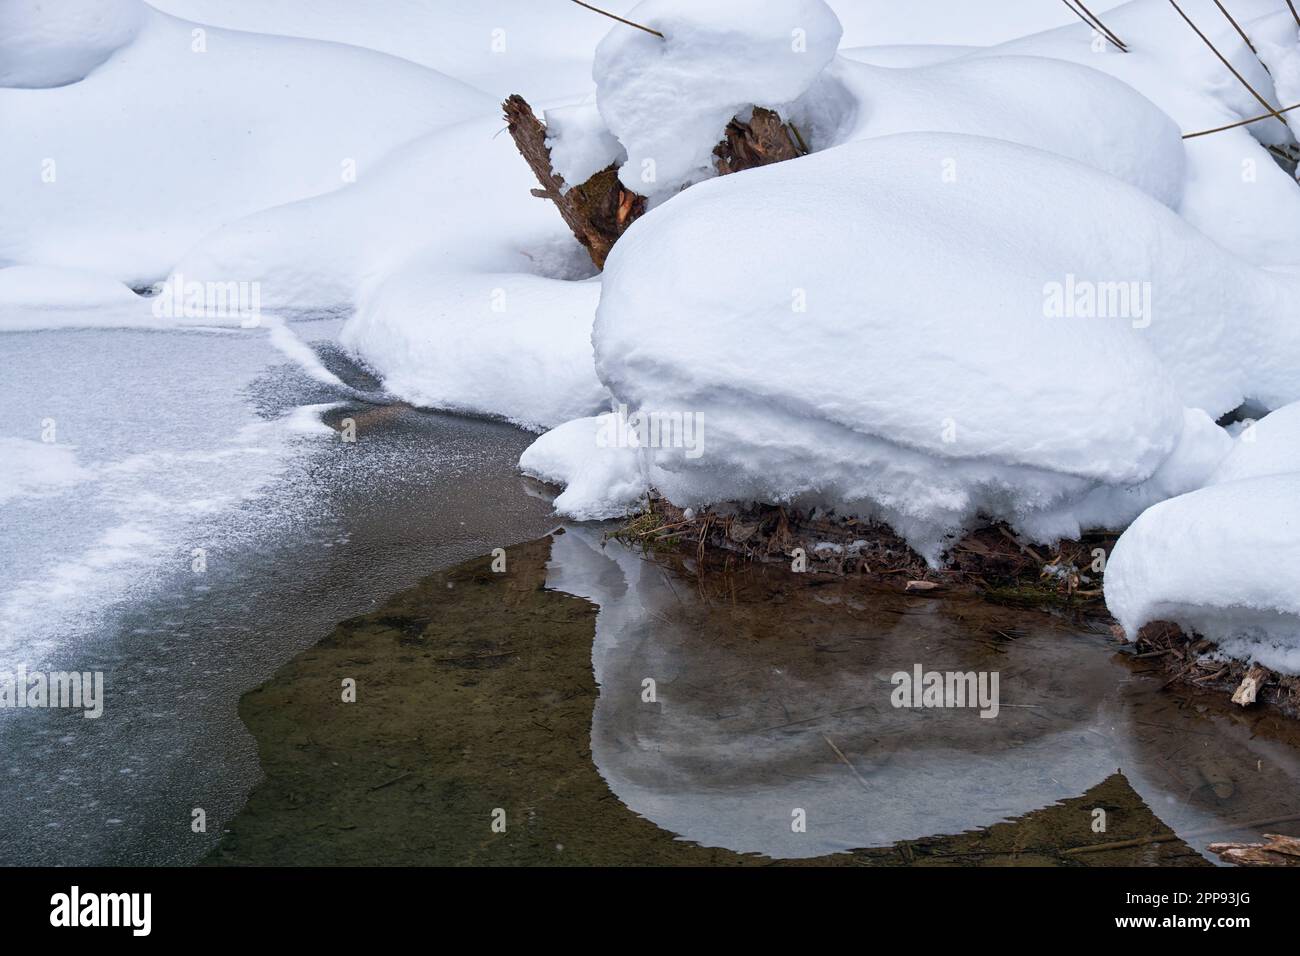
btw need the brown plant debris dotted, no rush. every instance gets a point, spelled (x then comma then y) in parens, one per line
(1280, 850)
(988, 561)
(1186, 659)
(1249, 688)
(764, 140)
(598, 210)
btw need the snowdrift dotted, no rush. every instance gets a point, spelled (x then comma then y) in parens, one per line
(155, 135)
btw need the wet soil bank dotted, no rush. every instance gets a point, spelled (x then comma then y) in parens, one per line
(499, 719)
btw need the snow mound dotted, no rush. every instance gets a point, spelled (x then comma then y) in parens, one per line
(949, 22)
(878, 353)
(1270, 446)
(1201, 448)
(542, 50)
(47, 43)
(667, 100)
(594, 460)
(509, 345)
(1222, 562)
(186, 128)
(40, 287)
(456, 279)
(1234, 191)
(1029, 100)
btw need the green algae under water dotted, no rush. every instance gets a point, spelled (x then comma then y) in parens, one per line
(504, 718)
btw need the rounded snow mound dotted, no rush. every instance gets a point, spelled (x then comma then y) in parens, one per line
(883, 327)
(45, 43)
(194, 127)
(1270, 446)
(1031, 100)
(41, 286)
(1222, 562)
(668, 99)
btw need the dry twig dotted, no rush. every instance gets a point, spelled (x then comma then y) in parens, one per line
(1232, 69)
(613, 16)
(1096, 25)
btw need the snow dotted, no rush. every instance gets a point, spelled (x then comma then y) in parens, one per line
(542, 50)
(509, 345)
(123, 451)
(1222, 562)
(1270, 446)
(602, 478)
(952, 22)
(34, 467)
(1002, 287)
(27, 288)
(46, 43)
(185, 128)
(829, 370)
(1275, 38)
(461, 282)
(1033, 101)
(1233, 192)
(580, 144)
(667, 99)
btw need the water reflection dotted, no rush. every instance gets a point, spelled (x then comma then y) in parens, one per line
(772, 696)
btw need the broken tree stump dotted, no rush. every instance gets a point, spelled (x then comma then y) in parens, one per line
(764, 140)
(598, 211)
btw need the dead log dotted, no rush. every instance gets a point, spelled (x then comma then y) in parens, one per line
(598, 211)
(764, 140)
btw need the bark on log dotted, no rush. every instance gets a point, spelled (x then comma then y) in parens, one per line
(598, 211)
(1280, 850)
(765, 139)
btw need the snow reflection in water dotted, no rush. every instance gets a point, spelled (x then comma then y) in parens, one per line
(767, 688)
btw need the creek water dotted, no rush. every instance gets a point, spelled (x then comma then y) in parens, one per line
(617, 706)
(590, 703)
(333, 529)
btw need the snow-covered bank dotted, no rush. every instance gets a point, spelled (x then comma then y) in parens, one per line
(1036, 323)
(1224, 562)
(1002, 287)
(1220, 563)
